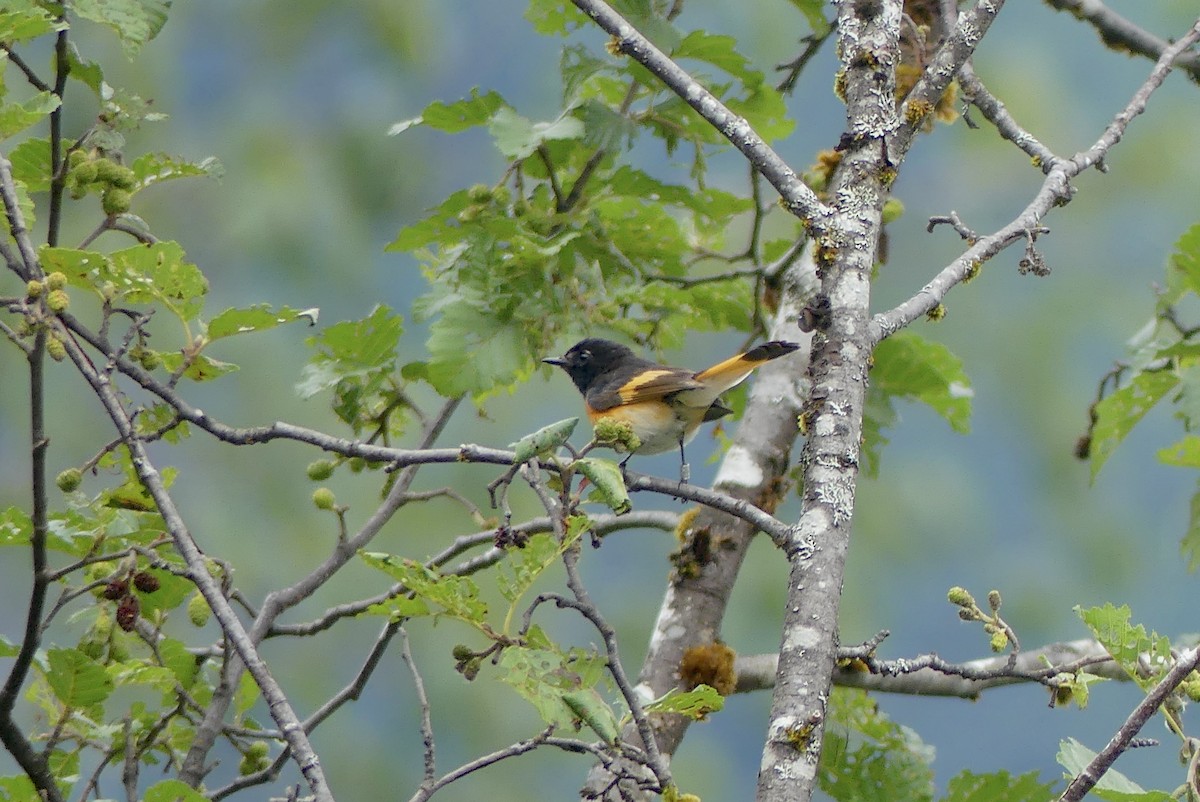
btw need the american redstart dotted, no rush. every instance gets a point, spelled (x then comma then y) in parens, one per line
(663, 405)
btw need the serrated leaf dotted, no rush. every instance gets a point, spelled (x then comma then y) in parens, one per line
(1131, 646)
(31, 163)
(28, 23)
(696, 704)
(909, 366)
(457, 596)
(605, 475)
(1075, 757)
(15, 527)
(134, 21)
(454, 117)
(542, 676)
(259, 317)
(76, 679)
(146, 274)
(200, 368)
(543, 441)
(1119, 412)
(176, 657)
(473, 351)
(16, 117)
(137, 673)
(865, 751)
(89, 73)
(153, 168)
(720, 51)
(1185, 261)
(517, 137)
(999, 786)
(353, 349)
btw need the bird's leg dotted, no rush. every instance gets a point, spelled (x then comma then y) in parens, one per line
(685, 470)
(625, 462)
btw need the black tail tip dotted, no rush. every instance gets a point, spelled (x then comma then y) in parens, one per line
(770, 350)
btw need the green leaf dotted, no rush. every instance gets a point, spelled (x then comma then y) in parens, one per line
(997, 786)
(200, 368)
(473, 351)
(1113, 785)
(879, 414)
(696, 704)
(173, 791)
(160, 273)
(179, 660)
(134, 21)
(543, 441)
(19, 788)
(909, 366)
(137, 673)
(865, 751)
(518, 137)
(76, 679)
(353, 349)
(1117, 414)
(606, 476)
(259, 317)
(154, 168)
(16, 527)
(720, 51)
(457, 596)
(814, 13)
(454, 117)
(31, 163)
(1131, 646)
(16, 117)
(593, 711)
(1184, 454)
(172, 591)
(28, 23)
(246, 695)
(1186, 259)
(543, 676)
(1190, 545)
(554, 17)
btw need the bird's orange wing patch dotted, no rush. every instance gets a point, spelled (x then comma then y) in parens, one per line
(652, 384)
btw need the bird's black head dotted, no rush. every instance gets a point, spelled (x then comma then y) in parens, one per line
(588, 359)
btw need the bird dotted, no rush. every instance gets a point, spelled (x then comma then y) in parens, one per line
(663, 405)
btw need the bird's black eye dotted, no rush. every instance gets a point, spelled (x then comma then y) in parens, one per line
(585, 356)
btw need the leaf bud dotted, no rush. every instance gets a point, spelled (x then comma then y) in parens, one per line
(69, 480)
(323, 498)
(960, 596)
(320, 470)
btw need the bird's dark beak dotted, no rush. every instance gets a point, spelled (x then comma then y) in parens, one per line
(555, 360)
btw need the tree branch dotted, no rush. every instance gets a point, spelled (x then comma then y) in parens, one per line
(800, 199)
(929, 675)
(231, 626)
(1087, 779)
(1119, 33)
(1055, 189)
